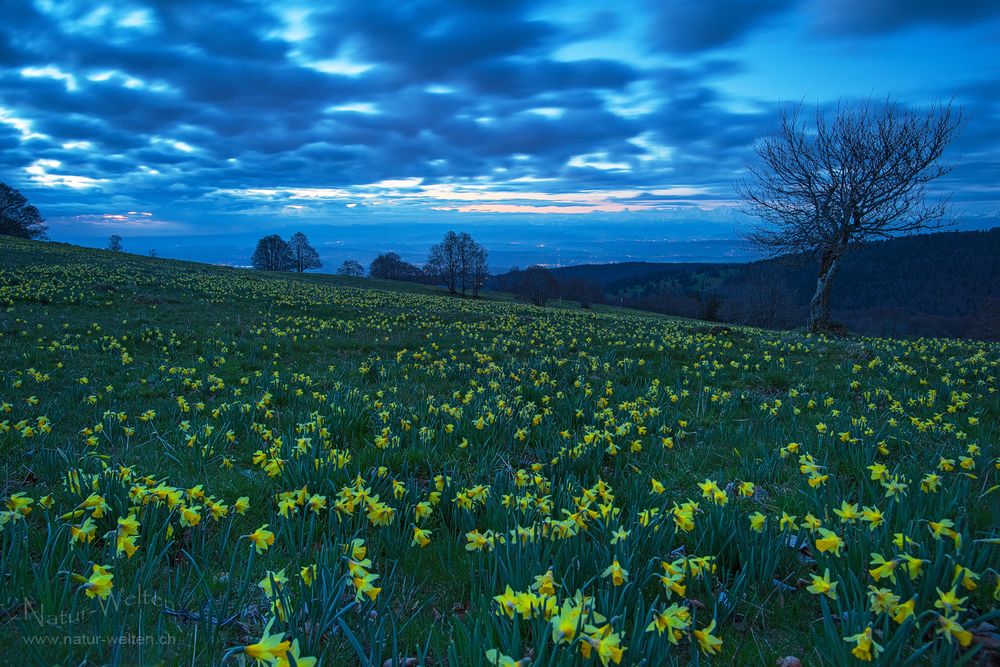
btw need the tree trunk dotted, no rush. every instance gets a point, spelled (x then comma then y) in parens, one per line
(819, 307)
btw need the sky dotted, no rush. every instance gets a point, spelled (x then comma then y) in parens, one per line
(555, 132)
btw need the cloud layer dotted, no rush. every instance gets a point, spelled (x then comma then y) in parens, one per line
(209, 113)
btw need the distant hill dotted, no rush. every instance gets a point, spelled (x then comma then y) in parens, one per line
(942, 284)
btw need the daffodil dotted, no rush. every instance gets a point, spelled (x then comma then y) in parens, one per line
(949, 602)
(270, 648)
(673, 620)
(241, 505)
(604, 642)
(100, 582)
(619, 535)
(904, 611)
(272, 582)
(262, 539)
(618, 574)
(421, 537)
(848, 512)
(951, 629)
(823, 585)
(865, 649)
(498, 659)
(545, 584)
(882, 600)
(707, 642)
(883, 569)
(294, 657)
(829, 541)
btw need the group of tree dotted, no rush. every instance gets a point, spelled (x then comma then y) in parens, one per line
(460, 262)
(18, 217)
(273, 253)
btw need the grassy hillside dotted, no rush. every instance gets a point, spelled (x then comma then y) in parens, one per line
(208, 465)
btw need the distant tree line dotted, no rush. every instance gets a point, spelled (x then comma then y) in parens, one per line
(538, 285)
(458, 262)
(955, 294)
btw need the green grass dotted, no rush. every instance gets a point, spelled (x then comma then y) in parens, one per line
(274, 386)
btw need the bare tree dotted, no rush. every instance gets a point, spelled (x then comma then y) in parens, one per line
(115, 243)
(459, 262)
(480, 268)
(466, 247)
(858, 176)
(444, 261)
(272, 254)
(304, 256)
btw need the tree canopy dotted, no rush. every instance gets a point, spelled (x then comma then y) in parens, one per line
(459, 262)
(390, 266)
(304, 256)
(351, 267)
(18, 217)
(272, 254)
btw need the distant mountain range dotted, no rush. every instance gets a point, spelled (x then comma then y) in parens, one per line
(941, 284)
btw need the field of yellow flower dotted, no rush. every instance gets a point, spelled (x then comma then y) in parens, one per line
(206, 465)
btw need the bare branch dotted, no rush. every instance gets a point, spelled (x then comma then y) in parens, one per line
(860, 173)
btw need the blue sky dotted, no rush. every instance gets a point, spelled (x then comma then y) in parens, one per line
(559, 132)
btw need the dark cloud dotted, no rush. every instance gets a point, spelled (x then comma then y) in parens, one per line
(688, 27)
(692, 26)
(10, 139)
(876, 16)
(181, 105)
(431, 39)
(22, 24)
(518, 78)
(285, 123)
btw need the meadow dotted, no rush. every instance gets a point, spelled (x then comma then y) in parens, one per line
(206, 465)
